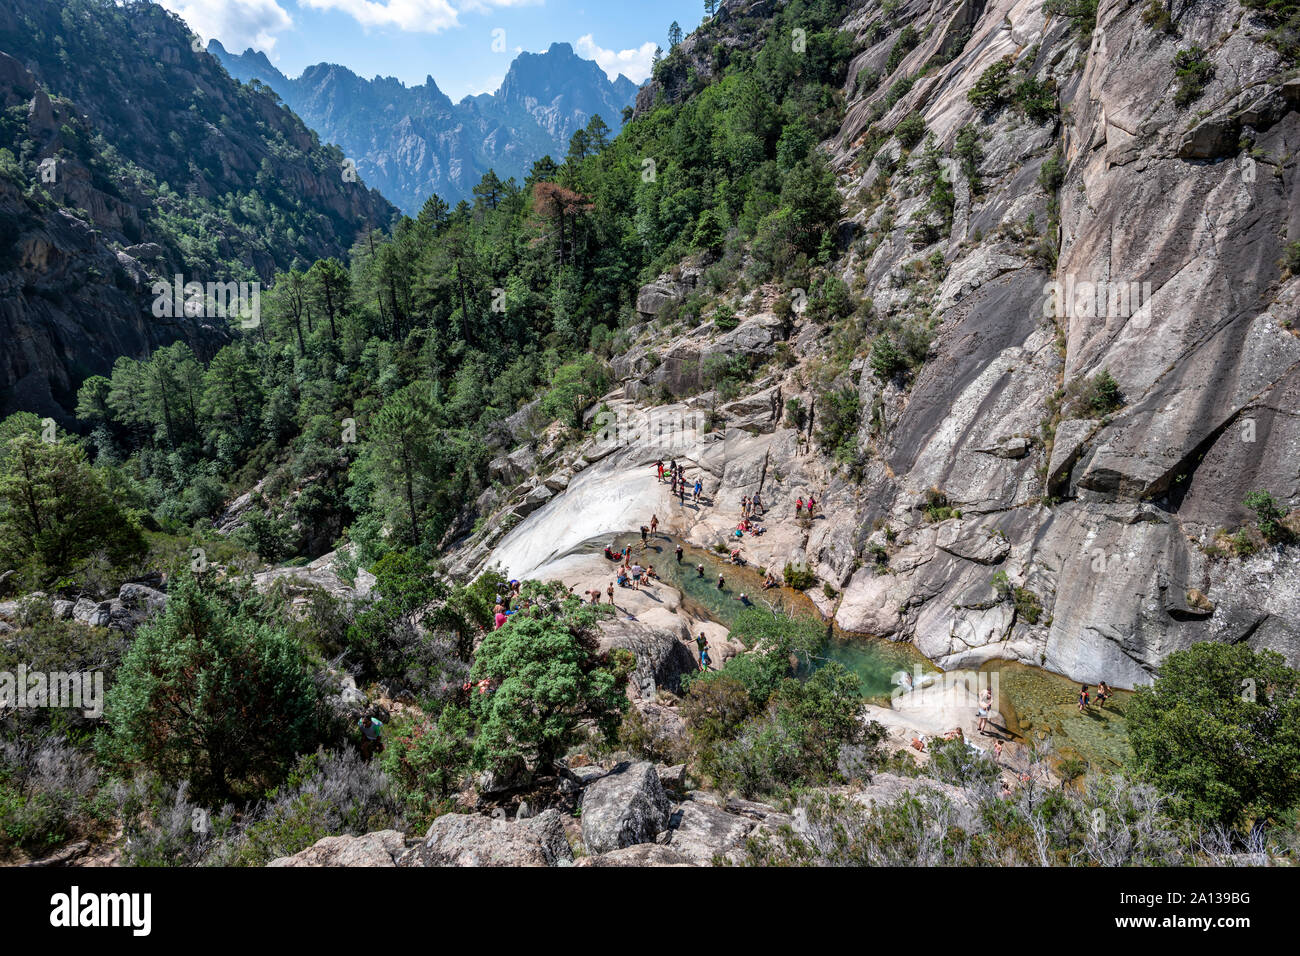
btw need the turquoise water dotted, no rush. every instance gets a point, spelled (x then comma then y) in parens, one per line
(1037, 704)
(873, 661)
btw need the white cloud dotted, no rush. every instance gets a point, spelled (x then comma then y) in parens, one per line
(634, 64)
(238, 24)
(485, 6)
(411, 16)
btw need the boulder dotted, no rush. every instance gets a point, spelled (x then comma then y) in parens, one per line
(93, 614)
(625, 807)
(459, 839)
(642, 854)
(380, 848)
(700, 833)
(662, 657)
(143, 602)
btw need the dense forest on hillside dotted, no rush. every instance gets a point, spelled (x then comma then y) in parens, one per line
(364, 397)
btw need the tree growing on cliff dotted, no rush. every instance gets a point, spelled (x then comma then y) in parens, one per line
(1219, 730)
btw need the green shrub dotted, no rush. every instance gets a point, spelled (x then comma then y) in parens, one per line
(1082, 14)
(549, 682)
(725, 318)
(887, 361)
(1269, 516)
(1156, 15)
(910, 131)
(1035, 98)
(427, 760)
(1291, 258)
(838, 421)
(906, 42)
(801, 579)
(967, 149)
(1194, 71)
(207, 693)
(991, 89)
(937, 507)
(1191, 730)
(1052, 173)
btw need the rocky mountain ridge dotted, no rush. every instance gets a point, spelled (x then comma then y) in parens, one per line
(411, 142)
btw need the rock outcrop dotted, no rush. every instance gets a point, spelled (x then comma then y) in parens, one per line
(623, 808)
(380, 848)
(459, 839)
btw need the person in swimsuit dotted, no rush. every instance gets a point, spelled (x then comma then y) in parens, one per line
(1103, 693)
(1083, 697)
(986, 704)
(610, 591)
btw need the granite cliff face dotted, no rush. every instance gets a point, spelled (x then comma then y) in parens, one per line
(1162, 207)
(411, 142)
(129, 157)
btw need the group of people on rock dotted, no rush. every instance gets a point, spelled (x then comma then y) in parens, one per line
(800, 506)
(677, 481)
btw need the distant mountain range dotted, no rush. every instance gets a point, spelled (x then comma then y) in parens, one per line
(410, 142)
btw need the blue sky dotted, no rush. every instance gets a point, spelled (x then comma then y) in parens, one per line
(451, 40)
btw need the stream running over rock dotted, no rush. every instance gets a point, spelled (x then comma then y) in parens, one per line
(1038, 705)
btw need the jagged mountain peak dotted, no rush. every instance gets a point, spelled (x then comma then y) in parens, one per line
(412, 141)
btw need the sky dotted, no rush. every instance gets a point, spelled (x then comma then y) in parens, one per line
(465, 45)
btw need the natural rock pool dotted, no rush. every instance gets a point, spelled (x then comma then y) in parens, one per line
(1037, 704)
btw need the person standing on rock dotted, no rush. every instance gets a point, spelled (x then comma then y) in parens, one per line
(610, 592)
(702, 643)
(986, 704)
(1103, 693)
(659, 465)
(812, 503)
(654, 523)
(798, 507)
(758, 503)
(699, 488)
